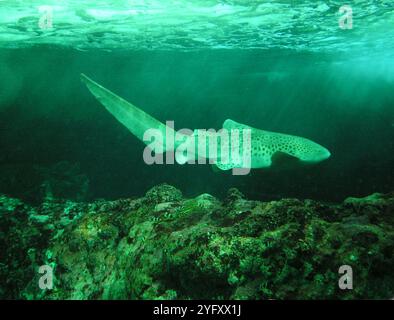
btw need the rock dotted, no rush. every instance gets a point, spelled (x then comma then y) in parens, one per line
(163, 206)
(164, 246)
(42, 219)
(163, 193)
(206, 201)
(373, 199)
(233, 194)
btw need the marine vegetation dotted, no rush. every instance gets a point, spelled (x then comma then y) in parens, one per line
(164, 246)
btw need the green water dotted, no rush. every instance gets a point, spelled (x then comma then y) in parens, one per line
(284, 66)
(48, 117)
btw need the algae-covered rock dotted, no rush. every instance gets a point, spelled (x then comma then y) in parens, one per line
(164, 246)
(163, 193)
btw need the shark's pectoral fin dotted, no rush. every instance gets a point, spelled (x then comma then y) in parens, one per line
(224, 166)
(279, 158)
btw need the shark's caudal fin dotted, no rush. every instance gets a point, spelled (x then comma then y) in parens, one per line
(133, 118)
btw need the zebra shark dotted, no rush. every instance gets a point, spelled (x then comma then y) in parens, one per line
(262, 147)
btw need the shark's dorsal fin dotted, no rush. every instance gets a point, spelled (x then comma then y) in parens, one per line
(235, 130)
(229, 124)
(260, 155)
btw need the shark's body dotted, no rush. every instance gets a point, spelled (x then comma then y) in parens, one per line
(264, 145)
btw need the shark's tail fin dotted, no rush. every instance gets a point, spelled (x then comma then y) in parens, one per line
(133, 118)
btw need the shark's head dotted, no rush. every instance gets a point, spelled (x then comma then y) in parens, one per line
(309, 151)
